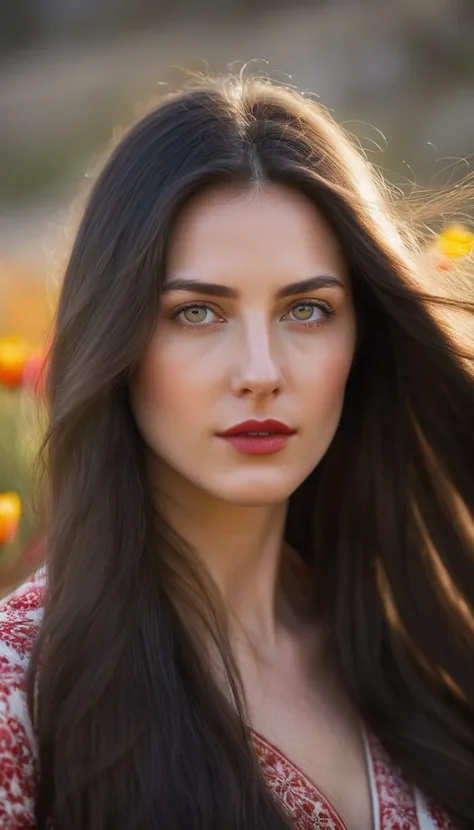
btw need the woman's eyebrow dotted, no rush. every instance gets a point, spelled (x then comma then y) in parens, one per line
(198, 287)
(311, 284)
(212, 289)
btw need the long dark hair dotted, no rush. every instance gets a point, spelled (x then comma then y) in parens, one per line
(133, 731)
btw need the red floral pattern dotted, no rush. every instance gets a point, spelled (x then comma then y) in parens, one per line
(439, 818)
(303, 802)
(20, 618)
(399, 808)
(395, 797)
(395, 800)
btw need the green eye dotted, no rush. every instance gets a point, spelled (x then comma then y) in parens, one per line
(303, 312)
(195, 314)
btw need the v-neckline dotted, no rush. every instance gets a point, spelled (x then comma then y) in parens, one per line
(265, 745)
(390, 793)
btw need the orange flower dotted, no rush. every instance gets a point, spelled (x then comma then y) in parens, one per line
(14, 351)
(10, 512)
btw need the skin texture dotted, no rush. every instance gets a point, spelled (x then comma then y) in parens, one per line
(248, 357)
(256, 355)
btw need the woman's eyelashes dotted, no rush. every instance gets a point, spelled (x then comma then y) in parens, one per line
(304, 313)
(309, 313)
(197, 315)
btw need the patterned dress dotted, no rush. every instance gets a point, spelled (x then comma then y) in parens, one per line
(396, 805)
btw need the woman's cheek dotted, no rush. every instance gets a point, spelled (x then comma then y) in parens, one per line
(330, 366)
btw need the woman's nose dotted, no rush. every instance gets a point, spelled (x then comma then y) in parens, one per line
(258, 368)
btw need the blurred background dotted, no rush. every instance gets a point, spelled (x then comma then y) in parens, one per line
(399, 74)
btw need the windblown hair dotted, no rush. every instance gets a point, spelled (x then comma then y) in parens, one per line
(134, 732)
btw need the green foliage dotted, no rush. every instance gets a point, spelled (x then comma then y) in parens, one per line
(19, 435)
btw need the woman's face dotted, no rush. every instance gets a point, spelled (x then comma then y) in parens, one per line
(257, 323)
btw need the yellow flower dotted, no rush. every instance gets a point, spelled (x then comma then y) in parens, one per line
(10, 512)
(455, 242)
(14, 352)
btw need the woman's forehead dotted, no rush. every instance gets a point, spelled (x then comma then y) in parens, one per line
(231, 231)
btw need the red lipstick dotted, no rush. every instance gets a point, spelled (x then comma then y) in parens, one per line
(258, 437)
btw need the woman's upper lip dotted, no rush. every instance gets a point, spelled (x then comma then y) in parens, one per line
(268, 425)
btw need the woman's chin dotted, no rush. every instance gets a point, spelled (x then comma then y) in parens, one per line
(255, 491)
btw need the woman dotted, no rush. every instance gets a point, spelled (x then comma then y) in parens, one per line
(259, 458)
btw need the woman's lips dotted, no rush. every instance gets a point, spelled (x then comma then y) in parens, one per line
(258, 437)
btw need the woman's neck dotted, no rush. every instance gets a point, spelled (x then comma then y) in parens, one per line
(241, 548)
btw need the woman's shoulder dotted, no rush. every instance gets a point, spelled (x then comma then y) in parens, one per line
(21, 614)
(20, 619)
